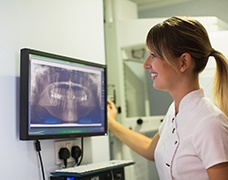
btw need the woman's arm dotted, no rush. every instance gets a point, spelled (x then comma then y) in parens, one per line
(219, 171)
(141, 144)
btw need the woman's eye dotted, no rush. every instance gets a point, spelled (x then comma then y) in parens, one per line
(152, 55)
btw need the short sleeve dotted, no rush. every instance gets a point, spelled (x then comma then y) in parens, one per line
(210, 140)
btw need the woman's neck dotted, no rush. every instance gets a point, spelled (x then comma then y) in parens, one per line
(182, 90)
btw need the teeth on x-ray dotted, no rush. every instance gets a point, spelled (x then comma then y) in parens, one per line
(68, 93)
(55, 95)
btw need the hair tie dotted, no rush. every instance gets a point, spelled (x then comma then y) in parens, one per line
(212, 52)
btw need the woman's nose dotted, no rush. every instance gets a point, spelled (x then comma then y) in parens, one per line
(146, 63)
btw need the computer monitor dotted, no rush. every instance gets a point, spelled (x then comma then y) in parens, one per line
(61, 97)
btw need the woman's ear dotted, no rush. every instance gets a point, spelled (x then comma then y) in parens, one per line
(185, 61)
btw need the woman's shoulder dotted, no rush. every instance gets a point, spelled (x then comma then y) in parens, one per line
(212, 119)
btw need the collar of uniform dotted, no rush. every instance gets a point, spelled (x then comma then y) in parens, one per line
(190, 97)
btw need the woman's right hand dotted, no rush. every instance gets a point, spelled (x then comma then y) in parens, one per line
(112, 112)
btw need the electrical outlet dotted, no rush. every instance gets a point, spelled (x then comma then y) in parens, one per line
(67, 144)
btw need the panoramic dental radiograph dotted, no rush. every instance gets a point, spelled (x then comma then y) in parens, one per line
(61, 95)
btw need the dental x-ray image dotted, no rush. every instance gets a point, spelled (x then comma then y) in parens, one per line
(64, 95)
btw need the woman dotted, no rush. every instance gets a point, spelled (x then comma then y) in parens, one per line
(192, 141)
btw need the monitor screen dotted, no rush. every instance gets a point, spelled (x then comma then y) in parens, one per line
(61, 97)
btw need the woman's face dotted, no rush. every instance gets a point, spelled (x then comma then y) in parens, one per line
(163, 74)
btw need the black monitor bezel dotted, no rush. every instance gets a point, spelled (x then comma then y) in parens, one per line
(24, 95)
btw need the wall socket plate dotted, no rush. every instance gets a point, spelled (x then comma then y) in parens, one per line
(67, 144)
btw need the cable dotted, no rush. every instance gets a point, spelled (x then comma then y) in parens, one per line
(64, 154)
(112, 174)
(76, 153)
(82, 150)
(38, 149)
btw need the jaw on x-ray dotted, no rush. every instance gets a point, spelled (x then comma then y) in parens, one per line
(60, 95)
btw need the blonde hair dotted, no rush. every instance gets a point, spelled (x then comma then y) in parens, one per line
(178, 35)
(221, 81)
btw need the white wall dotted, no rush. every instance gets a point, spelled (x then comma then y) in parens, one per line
(73, 28)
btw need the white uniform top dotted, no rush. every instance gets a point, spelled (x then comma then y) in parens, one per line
(193, 141)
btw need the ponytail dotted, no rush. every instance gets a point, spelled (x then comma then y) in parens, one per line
(220, 89)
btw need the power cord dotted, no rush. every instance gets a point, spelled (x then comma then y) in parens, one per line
(64, 154)
(82, 150)
(76, 153)
(38, 149)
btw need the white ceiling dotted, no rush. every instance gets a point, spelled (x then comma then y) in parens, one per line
(144, 5)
